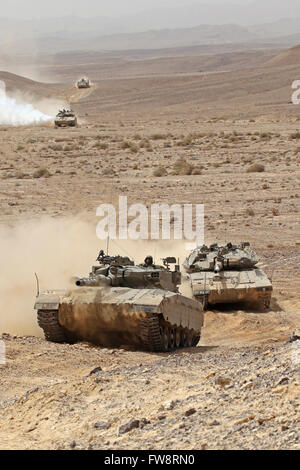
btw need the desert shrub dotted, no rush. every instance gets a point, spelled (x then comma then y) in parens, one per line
(65, 139)
(41, 173)
(69, 148)
(129, 145)
(20, 175)
(158, 136)
(296, 135)
(108, 171)
(101, 146)
(125, 145)
(265, 136)
(133, 148)
(146, 145)
(256, 168)
(250, 212)
(186, 141)
(182, 167)
(196, 171)
(160, 171)
(56, 147)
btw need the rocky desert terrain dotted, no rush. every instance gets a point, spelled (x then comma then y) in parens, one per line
(184, 127)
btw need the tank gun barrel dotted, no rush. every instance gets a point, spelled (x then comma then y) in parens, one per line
(95, 281)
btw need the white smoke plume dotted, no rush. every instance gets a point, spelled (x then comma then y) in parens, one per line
(13, 113)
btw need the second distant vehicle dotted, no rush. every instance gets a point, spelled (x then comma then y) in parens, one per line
(65, 118)
(83, 83)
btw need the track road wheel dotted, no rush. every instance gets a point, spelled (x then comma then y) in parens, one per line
(184, 338)
(165, 338)
(189, 339)
(177, 337)
(172, 338)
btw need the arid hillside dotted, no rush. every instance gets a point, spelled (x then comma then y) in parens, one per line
(154, 129)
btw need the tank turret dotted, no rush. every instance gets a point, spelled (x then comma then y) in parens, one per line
(120, 271)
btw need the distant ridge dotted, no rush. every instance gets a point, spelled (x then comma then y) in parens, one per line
(287, 57)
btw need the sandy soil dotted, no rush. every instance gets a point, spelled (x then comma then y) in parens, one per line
(240, 387)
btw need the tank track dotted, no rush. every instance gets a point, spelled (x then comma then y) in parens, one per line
(151, 333)
(152, 330)
(48, 321)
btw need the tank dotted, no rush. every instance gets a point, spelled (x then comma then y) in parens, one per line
(120, 303)
(65, 118)
(227, 274)
(83, 83)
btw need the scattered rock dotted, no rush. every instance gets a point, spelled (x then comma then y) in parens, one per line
(73, 444)
(247, 386)
(283, 381)
(265, 420)
(95, 371)
(31, 428)
(144, 422)
(169, 405)
(161, 417)
(101, 425)
(222, 381)
(214, 423)
(133, 424)
(244, 420)
(238, 428)
(190, 412)
(210, 375)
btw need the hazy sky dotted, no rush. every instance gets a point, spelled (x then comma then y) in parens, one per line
(90, 8)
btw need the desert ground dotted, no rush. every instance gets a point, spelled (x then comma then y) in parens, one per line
(184, 126)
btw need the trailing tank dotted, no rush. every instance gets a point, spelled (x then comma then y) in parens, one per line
(120, 303)
(227, 274)
(83, 83)
(65, 118)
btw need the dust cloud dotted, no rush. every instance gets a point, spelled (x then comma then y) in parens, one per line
(14, 113)
(57, 250)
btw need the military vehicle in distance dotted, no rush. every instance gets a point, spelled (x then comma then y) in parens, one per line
(227, 274)
(65, 118)
(120, 303)
(83, 83)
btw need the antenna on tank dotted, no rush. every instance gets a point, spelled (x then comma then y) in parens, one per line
(37, 285)
(107, 245)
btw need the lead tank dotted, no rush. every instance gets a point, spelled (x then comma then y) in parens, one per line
(83, 83)
(65, 118)
(227, 274)
(120, 303)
